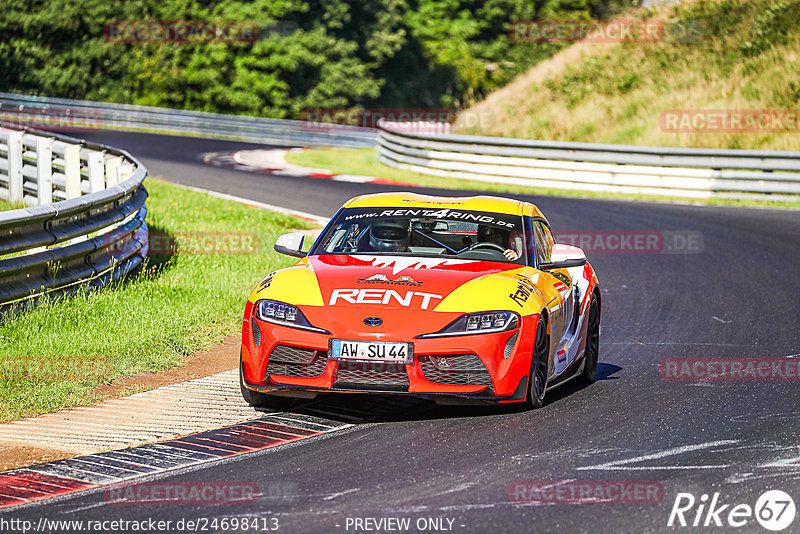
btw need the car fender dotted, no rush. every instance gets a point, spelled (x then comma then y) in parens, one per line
(514, 290)
(296, 285)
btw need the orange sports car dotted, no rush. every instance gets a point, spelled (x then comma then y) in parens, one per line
(461, 300)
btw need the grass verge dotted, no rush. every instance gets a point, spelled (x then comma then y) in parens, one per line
(5, 205)
(54, 355)
(364, 161)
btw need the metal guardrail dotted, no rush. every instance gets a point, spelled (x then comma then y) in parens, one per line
(38, 112)
(661, 171)
(93, 234)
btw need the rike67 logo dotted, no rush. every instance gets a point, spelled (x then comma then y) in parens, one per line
(774, 510)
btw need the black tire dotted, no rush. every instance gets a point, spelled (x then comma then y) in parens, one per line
(592, 352)
(262, 400)
(537, 381)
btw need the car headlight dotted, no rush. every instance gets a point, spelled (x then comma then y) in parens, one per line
(271, 311)
(478, 323)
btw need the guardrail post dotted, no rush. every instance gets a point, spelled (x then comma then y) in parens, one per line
(15, 191)
(44, 169)
(72, 170)
(112, 171)
(96, 171)
(126, 172)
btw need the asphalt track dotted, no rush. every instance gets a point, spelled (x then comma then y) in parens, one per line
(737, 297)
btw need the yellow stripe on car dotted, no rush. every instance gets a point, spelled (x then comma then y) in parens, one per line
(512, 290)
(297, 285)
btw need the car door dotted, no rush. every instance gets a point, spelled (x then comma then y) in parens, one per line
(561, 307)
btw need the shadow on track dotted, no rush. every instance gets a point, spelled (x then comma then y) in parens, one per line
(362, 408)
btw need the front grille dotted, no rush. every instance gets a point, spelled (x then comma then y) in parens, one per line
(296, 361)
(368, 375)
(287, 354)
(461, 369)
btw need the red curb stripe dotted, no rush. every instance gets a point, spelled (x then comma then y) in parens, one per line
(8, 500)
(224, 445)
(72, 475)
(287, 429)
(27, 486)
(252, 441)
(198, 448)
(264, 435)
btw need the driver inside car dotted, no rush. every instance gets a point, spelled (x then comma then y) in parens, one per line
(389, 235)
(498, 236)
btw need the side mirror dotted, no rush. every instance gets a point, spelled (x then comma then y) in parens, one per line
(291, 245)
(563, 257)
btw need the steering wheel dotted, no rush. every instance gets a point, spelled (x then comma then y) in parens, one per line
(486, 245)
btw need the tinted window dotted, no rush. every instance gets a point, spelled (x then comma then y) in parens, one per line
(425, 232)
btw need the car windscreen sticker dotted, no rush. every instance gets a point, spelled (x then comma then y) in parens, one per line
(509, 222)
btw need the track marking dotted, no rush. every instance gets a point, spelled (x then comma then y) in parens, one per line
(339, 494)
(622, 464)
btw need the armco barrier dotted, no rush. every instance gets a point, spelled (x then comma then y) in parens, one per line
(662, 171)
(93, 233)
(36, 112)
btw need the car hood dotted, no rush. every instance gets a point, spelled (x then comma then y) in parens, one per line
(403, 283)
(395, 281)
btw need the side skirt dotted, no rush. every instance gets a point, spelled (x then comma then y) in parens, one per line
(567, 375)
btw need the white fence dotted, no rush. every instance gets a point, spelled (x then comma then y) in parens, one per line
(54, 113)
(36, 169)
(661, 171)
(84, 220)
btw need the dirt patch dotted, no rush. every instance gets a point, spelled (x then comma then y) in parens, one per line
(14, 455)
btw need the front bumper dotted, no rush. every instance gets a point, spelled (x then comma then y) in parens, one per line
(472, 368)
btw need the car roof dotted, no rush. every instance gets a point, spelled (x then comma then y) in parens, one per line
(477, 203)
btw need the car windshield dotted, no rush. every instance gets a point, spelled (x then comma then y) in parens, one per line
(434, 232)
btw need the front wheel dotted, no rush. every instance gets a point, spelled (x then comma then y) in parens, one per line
(539, 364)
(262, 400)
(591, 354)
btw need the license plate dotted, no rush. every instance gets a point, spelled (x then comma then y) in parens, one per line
(371, 351)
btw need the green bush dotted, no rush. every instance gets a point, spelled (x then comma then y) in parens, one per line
(343, 53)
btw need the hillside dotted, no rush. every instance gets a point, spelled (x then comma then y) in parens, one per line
(741, 55)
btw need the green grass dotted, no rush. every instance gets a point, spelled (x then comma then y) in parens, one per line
(171, 308)
(5, 205)
(364, 161)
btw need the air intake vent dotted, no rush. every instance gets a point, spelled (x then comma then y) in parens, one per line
(509, 348)
(375, 376)
(256, 333)
(461, 369)
(296, 361)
